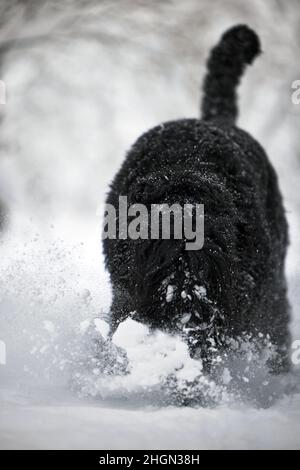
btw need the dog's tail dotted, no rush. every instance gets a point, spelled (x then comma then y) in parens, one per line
(237, 48)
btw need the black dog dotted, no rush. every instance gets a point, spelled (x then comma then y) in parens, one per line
(236, 282)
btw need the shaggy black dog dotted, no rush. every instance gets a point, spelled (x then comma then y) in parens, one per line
(235, 283)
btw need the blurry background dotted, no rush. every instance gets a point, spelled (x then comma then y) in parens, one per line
(84, 79)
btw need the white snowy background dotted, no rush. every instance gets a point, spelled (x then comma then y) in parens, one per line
(84, 80)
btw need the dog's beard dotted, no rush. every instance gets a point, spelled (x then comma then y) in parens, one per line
(184, 292)
(200, 281)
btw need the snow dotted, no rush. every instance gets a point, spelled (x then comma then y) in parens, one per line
(76, 426)
(64, 132)
(170, 293)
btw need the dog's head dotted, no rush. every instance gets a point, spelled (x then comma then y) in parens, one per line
(171, 281)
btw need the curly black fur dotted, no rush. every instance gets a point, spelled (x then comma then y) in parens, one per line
(236, 283)
(238, 47)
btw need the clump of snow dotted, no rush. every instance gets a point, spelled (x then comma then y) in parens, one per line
(159, 369)
(200, 291)
(170, 293)
(185, 318)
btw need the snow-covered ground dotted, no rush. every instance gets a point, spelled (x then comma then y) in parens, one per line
(82, 83)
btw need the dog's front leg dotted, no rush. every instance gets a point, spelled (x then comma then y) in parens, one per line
(121, 308)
